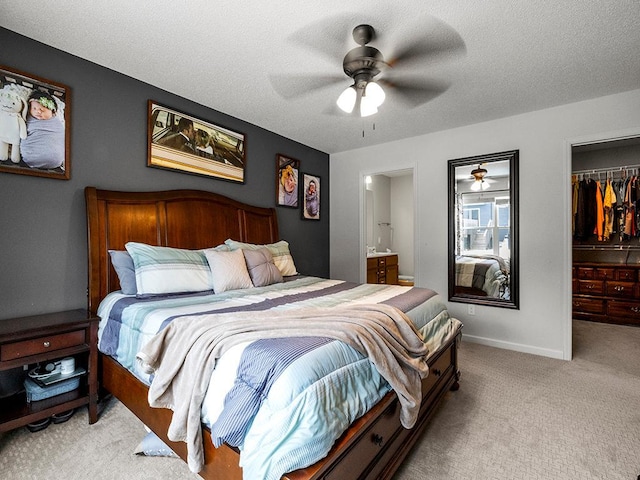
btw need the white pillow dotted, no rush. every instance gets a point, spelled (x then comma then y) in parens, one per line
(279, 250)
(229, 270)
(161, 270)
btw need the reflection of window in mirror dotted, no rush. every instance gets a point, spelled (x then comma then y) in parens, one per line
(483, 230)
(485, 216)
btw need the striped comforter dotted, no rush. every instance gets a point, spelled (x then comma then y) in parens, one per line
(315, 396)
(486, 273)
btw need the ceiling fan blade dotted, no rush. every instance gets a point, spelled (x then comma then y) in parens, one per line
(415, 92)
(330, 37)
(293, 86)
(438, 41)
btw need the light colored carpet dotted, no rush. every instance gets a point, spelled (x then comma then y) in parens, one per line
(516, 416)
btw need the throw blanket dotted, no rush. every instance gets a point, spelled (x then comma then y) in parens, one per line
(183, 355)
(44, 145)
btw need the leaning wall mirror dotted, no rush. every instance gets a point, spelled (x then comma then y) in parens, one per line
(483, 229)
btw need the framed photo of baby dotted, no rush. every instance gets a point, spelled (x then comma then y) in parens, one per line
(287, 172)
(34, 125)
(311, 197)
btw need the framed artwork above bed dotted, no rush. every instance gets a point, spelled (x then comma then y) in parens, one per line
(287, 173)
(34, 125)
(179, 141)
(311, 197)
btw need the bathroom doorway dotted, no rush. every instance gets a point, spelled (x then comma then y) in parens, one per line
(390, 219)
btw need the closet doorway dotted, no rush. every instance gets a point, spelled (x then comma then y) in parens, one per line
(605, 234)
(389, 219)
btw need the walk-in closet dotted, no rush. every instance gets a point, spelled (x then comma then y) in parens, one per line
(606, 231)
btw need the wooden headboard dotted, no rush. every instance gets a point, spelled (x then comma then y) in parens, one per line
(189, 219)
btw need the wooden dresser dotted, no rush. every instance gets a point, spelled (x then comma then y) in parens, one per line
(607, 292)
(382, 269)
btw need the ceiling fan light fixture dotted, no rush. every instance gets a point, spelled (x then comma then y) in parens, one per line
(374, 93)
(479, 183)
(347, 99)
(367, 107)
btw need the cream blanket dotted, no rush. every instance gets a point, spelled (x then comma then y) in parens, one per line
(183, 355)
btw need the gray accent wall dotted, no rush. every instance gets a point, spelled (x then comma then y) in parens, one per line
(43, 246)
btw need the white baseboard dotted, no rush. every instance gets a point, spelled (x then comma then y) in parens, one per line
(543, 352)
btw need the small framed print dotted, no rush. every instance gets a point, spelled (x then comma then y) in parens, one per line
(34, 125)
(287, 171)
(311, 197)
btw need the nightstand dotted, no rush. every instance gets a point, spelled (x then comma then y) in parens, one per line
(44, 338)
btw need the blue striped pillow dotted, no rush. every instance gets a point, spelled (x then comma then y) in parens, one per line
(161, 270)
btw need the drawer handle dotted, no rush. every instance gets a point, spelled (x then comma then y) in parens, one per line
(589, 286)
(377, 439)
(46, 344)
(436, 372)
(619, 288)
(577, 304)
(635, 309)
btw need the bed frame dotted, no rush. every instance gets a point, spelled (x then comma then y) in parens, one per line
(373, 447)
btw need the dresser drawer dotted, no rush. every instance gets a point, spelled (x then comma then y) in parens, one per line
(620, 308)
(373, 443)
(626, 274)
(591, 287)
(588, 305)
(35, 346)
(604, 273)
(585, 273)
(621, 289)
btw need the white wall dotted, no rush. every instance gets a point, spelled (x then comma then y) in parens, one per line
(402, 220)
(542, 325)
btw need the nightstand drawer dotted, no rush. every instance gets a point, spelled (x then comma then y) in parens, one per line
(35, 346)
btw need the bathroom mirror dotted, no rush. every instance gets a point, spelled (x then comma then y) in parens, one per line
(483, 229)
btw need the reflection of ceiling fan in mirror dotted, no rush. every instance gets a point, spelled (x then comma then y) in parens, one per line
(374, 79)
(479, 181)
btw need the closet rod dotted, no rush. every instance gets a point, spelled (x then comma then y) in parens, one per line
(606, 170)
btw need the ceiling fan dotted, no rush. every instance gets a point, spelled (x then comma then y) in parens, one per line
(372, 76)
(479, 181)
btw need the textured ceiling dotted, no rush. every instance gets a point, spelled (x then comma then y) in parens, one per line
(518, 56)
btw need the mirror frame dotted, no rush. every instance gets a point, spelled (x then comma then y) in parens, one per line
(512, 157)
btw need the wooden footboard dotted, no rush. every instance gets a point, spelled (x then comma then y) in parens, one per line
(372, 448)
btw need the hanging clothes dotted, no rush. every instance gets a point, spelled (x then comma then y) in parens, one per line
(609, 204)
(599, 212)
(586, 217)
(630, 209)
(575, 185)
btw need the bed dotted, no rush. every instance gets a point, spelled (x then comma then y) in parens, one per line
(372, 444)
(483, 275)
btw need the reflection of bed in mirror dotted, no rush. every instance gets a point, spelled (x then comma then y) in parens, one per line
(482, 275)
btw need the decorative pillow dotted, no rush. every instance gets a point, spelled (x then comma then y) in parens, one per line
(169, 270)
(123, 265)
(279, 250)
(261, 268)
(229, 270)
(152, 446)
